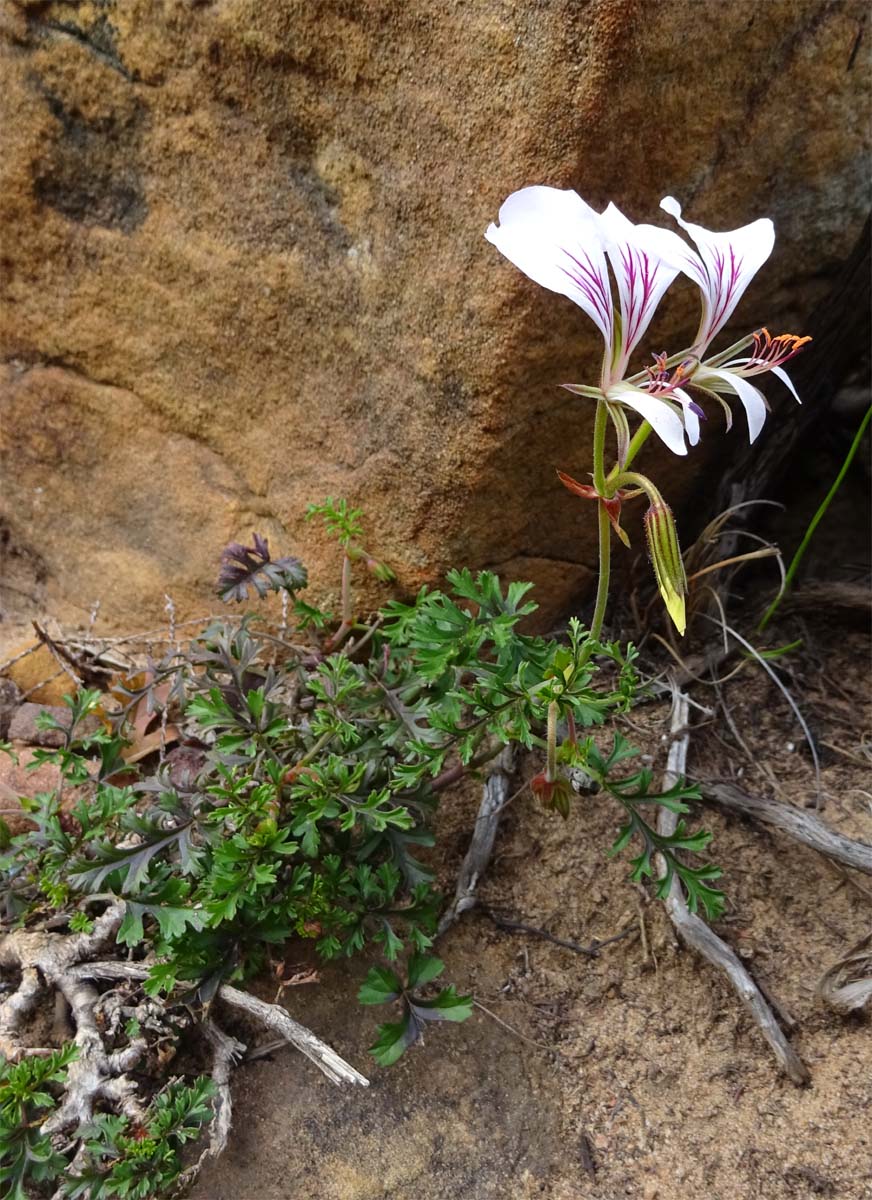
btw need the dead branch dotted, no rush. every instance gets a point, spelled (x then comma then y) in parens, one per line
(698, 935)
(847, 985)
(46, 962)
(226, 1052)
(481, 845)
(272, 1016)
(832, 597)
(802, 826)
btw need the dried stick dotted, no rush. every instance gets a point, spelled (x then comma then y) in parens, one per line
(481, 845)
(591, 951)
(275, 1018)
(802, 826)
(697, 934)
(44, 960)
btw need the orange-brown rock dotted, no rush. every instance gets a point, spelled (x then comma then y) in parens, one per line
(243, 265)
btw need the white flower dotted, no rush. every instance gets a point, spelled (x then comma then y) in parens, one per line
(560, 242)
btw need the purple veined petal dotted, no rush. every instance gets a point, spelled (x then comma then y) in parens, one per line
(787, 381)
(752, 402)
(645, 261)
(662, 418)
(725, 265)
(691, 414)
(554, 238)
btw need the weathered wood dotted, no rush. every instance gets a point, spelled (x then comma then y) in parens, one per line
(802, 826)
(700, 936)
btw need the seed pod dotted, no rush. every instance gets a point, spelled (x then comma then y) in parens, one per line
(666, 560)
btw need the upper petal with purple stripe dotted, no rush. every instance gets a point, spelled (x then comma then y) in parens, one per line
(645, 261)
(555, 239)
(723, 268)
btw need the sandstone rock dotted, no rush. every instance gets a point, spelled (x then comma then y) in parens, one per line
(33, 671)
(243, 265)
(10, 698)
(16, 780)
(24, 726)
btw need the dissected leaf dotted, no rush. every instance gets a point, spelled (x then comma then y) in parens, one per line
(251, 566)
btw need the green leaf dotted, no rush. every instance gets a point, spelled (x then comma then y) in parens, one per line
(423, 969)
(380, 987)
(447, 1006)
(394, 1039)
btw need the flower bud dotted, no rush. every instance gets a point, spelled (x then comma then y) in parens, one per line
(666, 560)
(555, 793)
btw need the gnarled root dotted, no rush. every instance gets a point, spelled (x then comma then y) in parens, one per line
(273, 1016)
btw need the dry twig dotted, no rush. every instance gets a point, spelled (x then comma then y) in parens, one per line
(591, 951)
(496, 791)
(698, 935)
(797, 823)
(275, 1018)
(847, 985)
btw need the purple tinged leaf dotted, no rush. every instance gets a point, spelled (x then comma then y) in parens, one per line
(251, 566)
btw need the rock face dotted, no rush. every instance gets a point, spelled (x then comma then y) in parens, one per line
(243, 263)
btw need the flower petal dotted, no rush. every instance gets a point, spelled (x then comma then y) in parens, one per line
(752, 401)
(645, 260)
(787, 381)
(662, 418)
(554, 238)
(725, 265)
(691, 415)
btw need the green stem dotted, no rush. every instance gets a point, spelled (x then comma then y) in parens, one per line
(815, 521)
(602, 587)
(599, 447)
(639, 481)
(637, 441)
(603, 526)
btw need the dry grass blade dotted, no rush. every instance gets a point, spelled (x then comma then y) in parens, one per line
(785, 691)
(847, 985)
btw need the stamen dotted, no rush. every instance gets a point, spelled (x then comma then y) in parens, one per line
(768, 351)
(661, 381)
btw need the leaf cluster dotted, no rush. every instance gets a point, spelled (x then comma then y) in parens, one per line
(383, 986)
(118, 1161)
(308, 810)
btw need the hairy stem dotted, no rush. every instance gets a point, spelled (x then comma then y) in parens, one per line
(602, 587)
(551, 745)
(605, 549)
(599, 446)
(638, 440)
